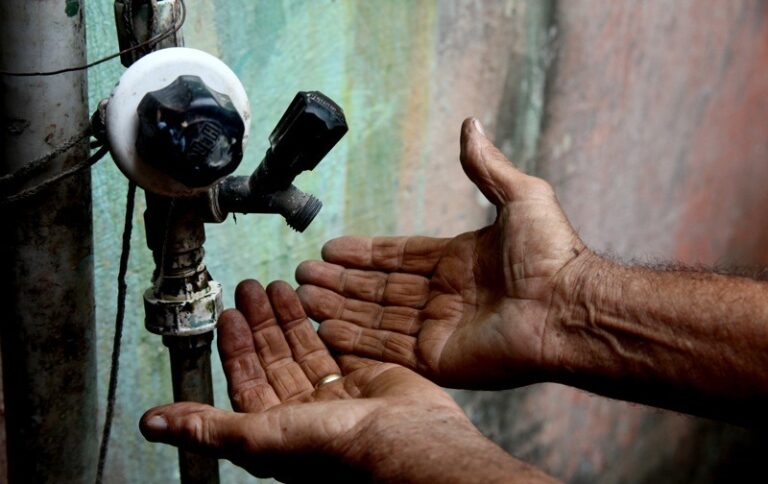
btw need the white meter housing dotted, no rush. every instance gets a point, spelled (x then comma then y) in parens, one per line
(151, 73)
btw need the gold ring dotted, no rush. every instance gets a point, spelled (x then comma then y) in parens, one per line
(328, 379)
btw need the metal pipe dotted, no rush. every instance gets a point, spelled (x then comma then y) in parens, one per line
(46, 249)
(183, 306)
(191, 375)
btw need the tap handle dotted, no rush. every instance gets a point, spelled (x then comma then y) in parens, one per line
(190, 132)
(307, 131)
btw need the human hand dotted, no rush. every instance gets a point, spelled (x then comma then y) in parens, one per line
(470, 311)
(379, 421)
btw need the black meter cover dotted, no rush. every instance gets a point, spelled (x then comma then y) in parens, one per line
(190, 132)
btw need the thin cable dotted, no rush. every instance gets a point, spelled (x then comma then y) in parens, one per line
(32, 191)
(149, 42)
(122, 288)
(28, 169)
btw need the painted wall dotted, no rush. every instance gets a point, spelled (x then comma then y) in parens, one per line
(655, 138)
(649, 117)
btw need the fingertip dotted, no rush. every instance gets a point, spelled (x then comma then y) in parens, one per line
(478, 126)
(329, 249)
(153, 425)
(310, 297)
(468, 142)
(229, 315)
(303, 270)
(344, 249)
(285, 302)
(156, 424)
(471, 126)
(304, 293)
(280, 292)
(337, 334)
(278, 285)
(246, 290)
(233, 334)
(252, 301)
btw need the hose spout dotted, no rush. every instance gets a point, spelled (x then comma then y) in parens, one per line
(235, 195)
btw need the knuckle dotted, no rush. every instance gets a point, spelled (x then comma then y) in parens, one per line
(193, 428)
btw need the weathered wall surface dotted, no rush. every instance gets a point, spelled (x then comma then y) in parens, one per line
(654, 137)
(652, 127)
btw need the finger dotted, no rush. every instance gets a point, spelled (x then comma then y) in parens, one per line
(261, 442)
(322, 304)
(417, 255)
(372, 343)
(307, 348)
(393, 289)
(252, 301)
(283, 373)
(196, 427)
(249, 389)
(486, 166)
(350, 363)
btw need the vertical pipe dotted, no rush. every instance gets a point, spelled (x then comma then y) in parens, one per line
(191, 373)
(46, 251)
(175, 234)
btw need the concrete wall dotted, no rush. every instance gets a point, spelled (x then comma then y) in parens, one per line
(649, 117)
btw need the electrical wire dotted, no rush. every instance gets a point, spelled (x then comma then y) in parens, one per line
(122, 288)
(28, 169)
(147, 43)
(32, 191)
(124, 255)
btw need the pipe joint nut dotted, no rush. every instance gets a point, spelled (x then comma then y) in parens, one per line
(195, 313)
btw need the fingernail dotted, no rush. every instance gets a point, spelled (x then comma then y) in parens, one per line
(157, 423)
(478, 126)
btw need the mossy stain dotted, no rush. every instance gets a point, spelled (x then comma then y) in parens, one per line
(72, 7)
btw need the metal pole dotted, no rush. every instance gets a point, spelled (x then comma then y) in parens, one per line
(46, 251)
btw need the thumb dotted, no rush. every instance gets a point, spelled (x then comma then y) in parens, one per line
(197, 427)
(486, 166)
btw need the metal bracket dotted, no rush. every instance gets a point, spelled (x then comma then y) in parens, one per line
(140, 20)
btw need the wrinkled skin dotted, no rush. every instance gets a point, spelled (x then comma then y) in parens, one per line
(469, 311)
(377, 422)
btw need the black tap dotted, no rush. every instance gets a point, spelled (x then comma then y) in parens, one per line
(307, 131)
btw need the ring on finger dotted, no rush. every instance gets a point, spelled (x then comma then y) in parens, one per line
(328, 379)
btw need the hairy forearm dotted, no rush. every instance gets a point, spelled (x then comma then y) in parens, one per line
(690, 341)
(443, 450)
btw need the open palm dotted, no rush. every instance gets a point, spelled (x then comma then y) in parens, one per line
(290, 425)
(468, 311)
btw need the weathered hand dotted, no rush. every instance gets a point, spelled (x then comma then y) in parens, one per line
(470, 311)
(380, 421)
